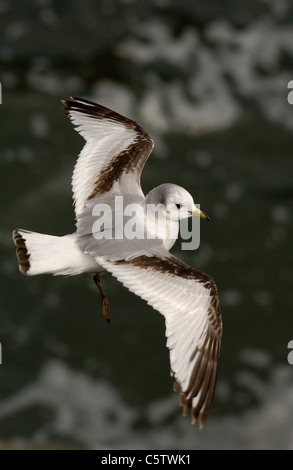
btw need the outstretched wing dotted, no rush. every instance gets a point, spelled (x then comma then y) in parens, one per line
(116, 150)
(189, 301)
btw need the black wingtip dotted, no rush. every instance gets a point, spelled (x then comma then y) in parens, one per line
(66, 106)
(82, 105)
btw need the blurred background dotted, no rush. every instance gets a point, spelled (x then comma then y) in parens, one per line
(209, 81)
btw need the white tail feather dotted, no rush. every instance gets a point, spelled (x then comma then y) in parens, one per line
(46, 254)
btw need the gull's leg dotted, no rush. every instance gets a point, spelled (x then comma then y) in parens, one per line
(104, 300)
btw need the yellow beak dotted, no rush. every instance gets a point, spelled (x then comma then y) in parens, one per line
(200, 214)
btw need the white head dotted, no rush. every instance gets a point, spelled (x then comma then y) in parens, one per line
(177, 201)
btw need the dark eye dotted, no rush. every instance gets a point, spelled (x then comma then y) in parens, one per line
(178, 206)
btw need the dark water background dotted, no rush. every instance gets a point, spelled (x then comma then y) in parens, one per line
(208, 80)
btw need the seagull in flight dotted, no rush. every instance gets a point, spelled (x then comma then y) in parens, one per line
(110, 166)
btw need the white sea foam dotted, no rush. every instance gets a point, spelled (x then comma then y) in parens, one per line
(90, 412)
